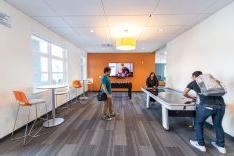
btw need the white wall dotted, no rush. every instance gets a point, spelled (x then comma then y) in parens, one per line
(16, 66)
(209, 47)
(160, 56)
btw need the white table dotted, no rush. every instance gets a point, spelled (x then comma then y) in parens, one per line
(170, 100)
(84, 82)
(54, 121)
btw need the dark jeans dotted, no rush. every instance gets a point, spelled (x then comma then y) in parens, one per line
(202, 113)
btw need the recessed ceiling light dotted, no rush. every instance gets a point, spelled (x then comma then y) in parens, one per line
(160, 30)
(91, 31)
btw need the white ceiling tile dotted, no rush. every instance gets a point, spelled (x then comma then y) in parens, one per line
(86, 21)
(157, 20)
(99, 49)
(97, 37)
(127, 21)
(153, 35)
(51, 21)
(117, 32)
(218, 5)
(149, 46)
(183, 6)
(199, 18)
(149, 33)
(129, 7)
(154, 38)
(32, 7)
(62, 30)
(160, 33)
(74, 19)
(76, 7)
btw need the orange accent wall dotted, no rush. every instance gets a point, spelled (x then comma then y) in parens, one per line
(143, 64)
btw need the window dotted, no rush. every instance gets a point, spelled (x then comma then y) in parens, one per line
(50, 62)
(161, 62)
(82, 67)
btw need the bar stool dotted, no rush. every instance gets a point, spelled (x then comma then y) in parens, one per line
(23, 101)
(77, 85)
(63, 92)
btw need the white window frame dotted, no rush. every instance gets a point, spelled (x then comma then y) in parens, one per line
(51, 57)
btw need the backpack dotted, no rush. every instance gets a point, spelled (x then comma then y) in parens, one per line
(101, 96)
(210, 86)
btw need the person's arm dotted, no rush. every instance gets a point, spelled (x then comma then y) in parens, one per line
(105, 90)
(147, 83)
(104, 87)
(186, 94)
(157, 83)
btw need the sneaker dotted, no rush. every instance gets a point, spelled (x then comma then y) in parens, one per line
(113, 115)
(107, 118)
(220, 149)
(195, 144)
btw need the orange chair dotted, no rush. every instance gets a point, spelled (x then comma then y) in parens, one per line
(23, 101)
(77, 85)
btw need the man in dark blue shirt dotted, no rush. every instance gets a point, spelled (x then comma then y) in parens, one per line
(213, 106)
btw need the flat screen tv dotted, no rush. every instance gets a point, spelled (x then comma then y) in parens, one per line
(121, 69)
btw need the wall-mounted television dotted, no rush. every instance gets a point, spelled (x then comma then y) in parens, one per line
(121, 69)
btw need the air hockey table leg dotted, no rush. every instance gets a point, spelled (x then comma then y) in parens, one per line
(165, 121)
(148, 101)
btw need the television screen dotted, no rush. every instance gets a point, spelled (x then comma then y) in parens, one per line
(121, 69)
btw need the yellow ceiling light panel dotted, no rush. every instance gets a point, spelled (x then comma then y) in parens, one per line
(125, 43)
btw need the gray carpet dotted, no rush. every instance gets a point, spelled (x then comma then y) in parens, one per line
(136, 131)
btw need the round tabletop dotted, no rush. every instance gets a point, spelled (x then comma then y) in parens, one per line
(52, 86)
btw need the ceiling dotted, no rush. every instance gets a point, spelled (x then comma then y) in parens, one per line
(93, 25)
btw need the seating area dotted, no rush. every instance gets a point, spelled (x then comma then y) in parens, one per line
(116, 78)
(24, 102)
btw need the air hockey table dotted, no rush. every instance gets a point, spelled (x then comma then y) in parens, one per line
(173, 104)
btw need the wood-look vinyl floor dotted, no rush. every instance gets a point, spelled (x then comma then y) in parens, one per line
(136, 131)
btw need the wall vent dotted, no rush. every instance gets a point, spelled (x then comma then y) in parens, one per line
(5, 19)
(107, 45)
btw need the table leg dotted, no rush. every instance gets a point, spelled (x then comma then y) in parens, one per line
(83, 88)
(165, 121)
(130, 93)
(148, 101)
(53, 102)
(54, 121)
(84, 97)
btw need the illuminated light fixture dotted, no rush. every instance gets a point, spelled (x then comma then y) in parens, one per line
(125, 43)
(160, 30)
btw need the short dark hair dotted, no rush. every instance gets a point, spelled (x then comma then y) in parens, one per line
(197, 73)
(107, 69)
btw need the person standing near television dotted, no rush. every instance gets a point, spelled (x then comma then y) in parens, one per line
(108, 107)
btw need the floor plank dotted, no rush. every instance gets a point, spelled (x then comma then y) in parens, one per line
(136, 131)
